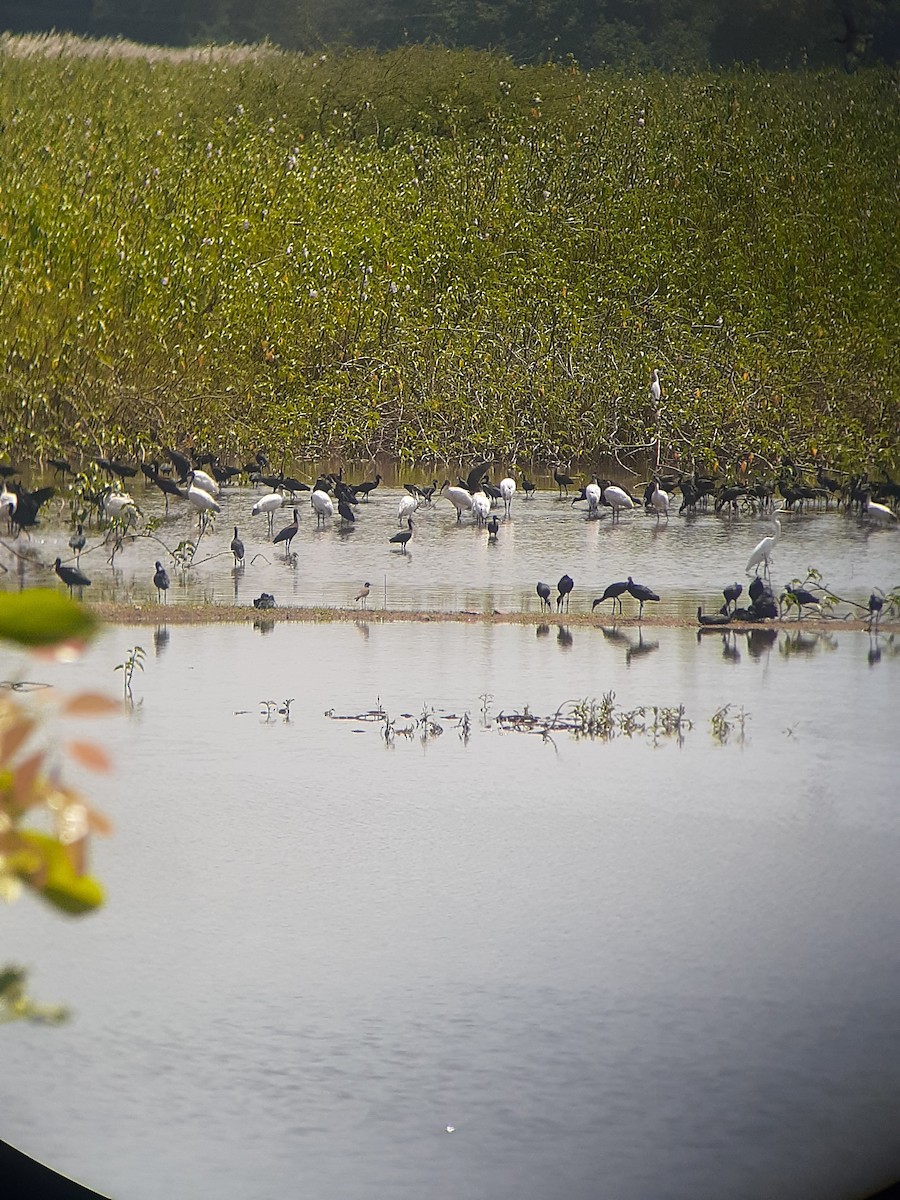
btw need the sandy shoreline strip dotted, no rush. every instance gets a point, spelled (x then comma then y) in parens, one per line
(218, 614)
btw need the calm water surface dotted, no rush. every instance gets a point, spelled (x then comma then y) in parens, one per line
(510, 967)
(452, 565)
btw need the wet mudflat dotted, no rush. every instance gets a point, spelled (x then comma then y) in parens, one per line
(368, 959)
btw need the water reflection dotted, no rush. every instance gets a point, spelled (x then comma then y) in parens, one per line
(564, 638)
(160, 639)
(264, 627)
(638, 649)
(542, 631)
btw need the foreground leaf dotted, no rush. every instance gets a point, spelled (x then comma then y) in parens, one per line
(42, 617)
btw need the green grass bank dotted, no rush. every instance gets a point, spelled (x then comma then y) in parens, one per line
(436, 254)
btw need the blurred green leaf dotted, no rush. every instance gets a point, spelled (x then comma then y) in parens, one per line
(55, 877)
(42, 617)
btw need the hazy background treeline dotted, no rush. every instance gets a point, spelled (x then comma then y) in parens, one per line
(660, 34)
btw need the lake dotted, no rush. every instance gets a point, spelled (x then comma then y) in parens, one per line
(483, 962)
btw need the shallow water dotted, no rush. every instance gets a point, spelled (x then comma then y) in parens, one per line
(453, 566)
(626, 968)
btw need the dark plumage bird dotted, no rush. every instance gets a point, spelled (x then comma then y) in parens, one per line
(180, 462)
(641, 593)
(400, 539)
(71, 576)
(800, 596)
(237, 548)
(614, 592)
(25, 514)
(161, 581)
(708, 619)
(77, 542)
(528, 487)
(876, 604)
(493, 528)
(367, 488)
(287, 534)
(475, 476)
(543, 590)
(563, 481)
(60, 466)
(564, 587)
(731, 593)
(347, 514)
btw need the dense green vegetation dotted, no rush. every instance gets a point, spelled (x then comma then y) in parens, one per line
(437, 253)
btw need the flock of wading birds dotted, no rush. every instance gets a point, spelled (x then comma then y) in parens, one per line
(183, 478)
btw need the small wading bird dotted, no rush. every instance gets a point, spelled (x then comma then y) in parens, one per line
(656, 387)
(71, 576)
(711, 619)
(641, 593)
(363, 594)
(731, 593)
(287, 534)
(400, 539)
(77, 542)
(367, 488)
(543, 590)
(614, 592)
(528, 487)
(660, 501)
(161, 580)
(237, 548)
(876, 604)
(493, 528)
(564, 587)
(762, 552)
(507, 491)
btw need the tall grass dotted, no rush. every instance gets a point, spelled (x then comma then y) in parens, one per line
(434, 254)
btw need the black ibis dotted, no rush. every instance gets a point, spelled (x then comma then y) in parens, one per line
(71, 576)
(641, 593)
(287, 534)
(161, 581)
(543, 590)
(237, 548)
(564, 588)
(614, 592)
(401, 539)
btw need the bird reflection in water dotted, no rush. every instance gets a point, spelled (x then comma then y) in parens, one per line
(264, 627)
(564, 638)
(542, 631)
(760, 641)
(639, 648)
(160, 639)
(363, 628)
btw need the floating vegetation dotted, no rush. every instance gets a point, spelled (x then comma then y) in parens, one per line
(276, 708)
(598, 720)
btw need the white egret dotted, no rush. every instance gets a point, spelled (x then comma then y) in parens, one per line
(656, 387)
(879, 513)
(660, 501)
(762, 552)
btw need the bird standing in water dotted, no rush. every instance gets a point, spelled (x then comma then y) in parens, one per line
(237, 548)
(400, 539)
(71, 576)
(161, 581)
(543, 590)
(564, 587)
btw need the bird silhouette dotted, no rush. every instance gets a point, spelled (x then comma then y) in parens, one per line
(402, 538)
(288, 534)
(563, 481)
(237, 548)
(161, 581)
(493, 528)
(71, 576)
(564, 587)
(614, 592)
(77, 542)
(543, 590)
(709, 619)
(641, 593)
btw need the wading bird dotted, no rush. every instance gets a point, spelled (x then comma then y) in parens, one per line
(614, 592)
(237, 548)
(161, 581)
(363, 594)
(459, 497)
(528, 487)
(656, 387)
(507, 491)
(660, 501)
(641, 593)
(400, 539)
(563, 481)
(564, 587)
(367, 488)
(493, 528)
(288, 534)
(77, 542)
(543, 590)
(731, 593)
(762, 552)
(322, 504)
(617, 498)
(406, 508)
(876, 604)
(71, 576)
(801, 597)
